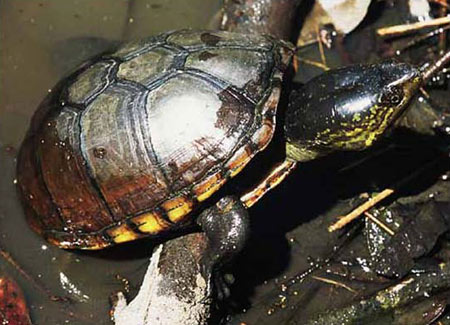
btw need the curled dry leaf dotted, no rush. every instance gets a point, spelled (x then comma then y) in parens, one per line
(344, 15)
(420, 9)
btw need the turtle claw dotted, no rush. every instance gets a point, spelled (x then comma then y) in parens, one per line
(220, 282)
(221, 286)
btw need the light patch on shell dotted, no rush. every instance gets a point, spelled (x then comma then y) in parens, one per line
(235, 66)
(65, 123)
(189, 123)
(179, 119)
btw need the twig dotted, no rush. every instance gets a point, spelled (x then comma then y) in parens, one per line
(430, 69)
(322, 53)
(424, 93)
(365, 158)
(315, 64)
(443, 36)
(344, 220)
(295, 61)
(415, 41)
(336, 283)
(408, 28)
(379, 223)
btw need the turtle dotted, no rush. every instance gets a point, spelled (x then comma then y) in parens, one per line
(137, 142)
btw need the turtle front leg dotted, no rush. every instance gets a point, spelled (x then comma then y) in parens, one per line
(226, 225)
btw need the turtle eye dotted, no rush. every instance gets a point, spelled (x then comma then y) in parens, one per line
(392, 96)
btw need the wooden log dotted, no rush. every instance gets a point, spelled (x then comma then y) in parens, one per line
(174, 290)
(273, 17)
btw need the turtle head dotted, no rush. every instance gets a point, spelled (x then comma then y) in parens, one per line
(348, 108)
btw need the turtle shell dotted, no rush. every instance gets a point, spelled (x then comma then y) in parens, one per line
(132, 142)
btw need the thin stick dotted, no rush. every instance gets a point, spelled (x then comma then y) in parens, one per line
(336, 283)
(429, 70)
(322, 53)
(443, 36)
(408, 28)
(439, 31)
(315, 64)
(344, 220)
(295, 64)
(379, 223)
(365, 158)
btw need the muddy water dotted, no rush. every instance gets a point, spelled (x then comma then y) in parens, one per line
(40, 41)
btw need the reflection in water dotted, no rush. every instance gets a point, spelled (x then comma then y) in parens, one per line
(72, 289)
